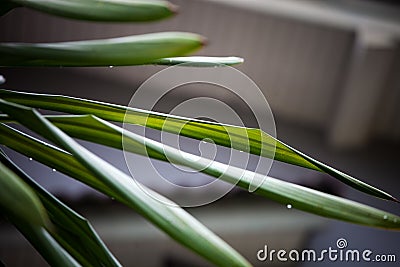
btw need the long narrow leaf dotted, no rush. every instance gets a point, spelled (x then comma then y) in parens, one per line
(51, 156)
(69, 228)
(99, 131)
(169, 217)
(101, 10)
(19, 201)
(259, 142)
(89, 128)
(129, 50)
(20, 204)
(47, 246)
(283, 192)
(200, 61)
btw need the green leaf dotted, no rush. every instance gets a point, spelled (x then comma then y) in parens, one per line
(101, 10)
(77, 126)
(122, 51)
(96, 130)
(250, 140)
(166, 215)
(283, 192)
(47, 246)
(72, 231)
(27, 207)
(20, 204)
(200, 61)
(51, 156)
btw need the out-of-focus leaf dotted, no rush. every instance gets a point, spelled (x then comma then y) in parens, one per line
(20, 205)
(169, 217)
(19, 201)
(200, 61)
(101, 10)
(250, 140)
(69, 229)
(122, 51)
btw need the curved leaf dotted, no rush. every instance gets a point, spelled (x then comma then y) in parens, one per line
(200, 61)
(254, 140)
(20, 204)
(122, 51)
(96, 130)
(27, 207)
(72, 231)
(101, 10)
(169, 217)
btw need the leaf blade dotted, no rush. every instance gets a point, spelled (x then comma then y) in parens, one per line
(30, 217)
(71, 230)
(122, 51)
(299, 197)
(200, 61)
(170, 218)
(103, 10)
(254, 140)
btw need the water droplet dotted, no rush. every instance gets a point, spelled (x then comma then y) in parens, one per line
(2, 79)
(111, 67)
(30, 159)
(54, 170)
(241, 151)
(288, 206)
(385, 217)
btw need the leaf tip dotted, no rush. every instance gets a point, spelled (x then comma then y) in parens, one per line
(203, 41)
(390, 198)
(387, 196)
(174, 9)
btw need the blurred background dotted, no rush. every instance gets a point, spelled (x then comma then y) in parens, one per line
(330, 71)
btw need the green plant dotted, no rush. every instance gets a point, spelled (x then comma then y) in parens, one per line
(63, 237)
